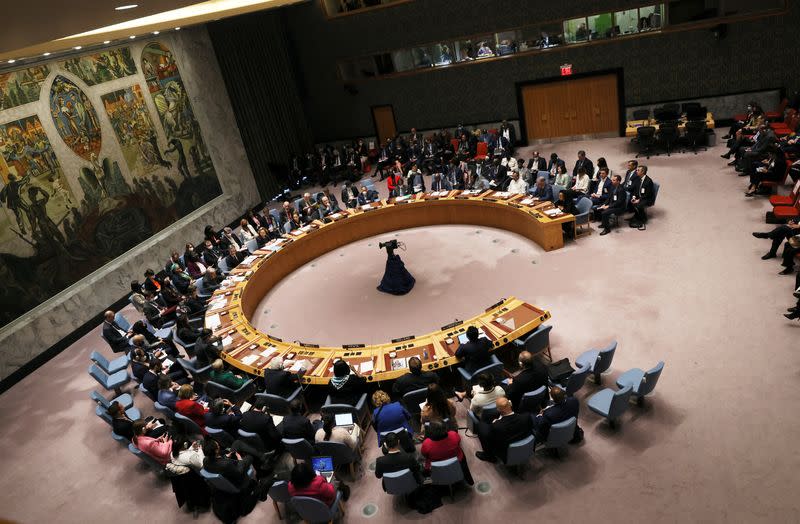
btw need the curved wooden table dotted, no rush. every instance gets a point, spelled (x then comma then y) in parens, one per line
(250, 350)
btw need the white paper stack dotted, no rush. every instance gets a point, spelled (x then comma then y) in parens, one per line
(269, 351)
(249, 260)
(366, 206)
(366, 367)
(227, 341)
(213, 322)
(249, 359)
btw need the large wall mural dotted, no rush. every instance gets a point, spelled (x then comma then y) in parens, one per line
(83, 189)
(22, 86)
(75, 118)
(102, 67)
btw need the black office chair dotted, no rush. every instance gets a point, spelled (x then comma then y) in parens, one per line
(641, 114)
(672, 107)
(686, 106)
(646, 138)
(696, 113)
(695, 135)
(668, 136)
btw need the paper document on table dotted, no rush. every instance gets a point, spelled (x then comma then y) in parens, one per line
(213, 322)
(276, 419)
(269, 351)
(507, 322)
(249, 359)
(462, 338)
(401, 198)
(249, 260)
(366, 206)
(399, 363)
(527, 201)
(553, 212)
(300, 364)
(227, 341)
(167, 363)
(245, 407)
(366, 367)
(336, 215)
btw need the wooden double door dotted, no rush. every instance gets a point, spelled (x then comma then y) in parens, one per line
(571, 107)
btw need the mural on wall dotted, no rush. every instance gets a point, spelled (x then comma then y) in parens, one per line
(61, 220)
(131, 122)
(21, 86)
(102, 67)
(174, 110)
(75, 118)
(35, 196)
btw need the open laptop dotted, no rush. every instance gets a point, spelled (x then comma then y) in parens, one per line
(323, 466)
(462, 338)
(343, 419)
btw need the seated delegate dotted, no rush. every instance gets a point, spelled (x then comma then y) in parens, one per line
(509, 427)
(441, 444)
(391, 416)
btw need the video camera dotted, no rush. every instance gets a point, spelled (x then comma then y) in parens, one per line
(391, 244)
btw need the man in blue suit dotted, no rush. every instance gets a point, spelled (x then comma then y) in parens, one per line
(615, 205)
(562, 409)
(542, 190)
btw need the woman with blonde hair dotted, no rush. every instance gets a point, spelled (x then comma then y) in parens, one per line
(391, 417)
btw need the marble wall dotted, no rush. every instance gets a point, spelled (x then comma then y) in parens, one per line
(42, 327)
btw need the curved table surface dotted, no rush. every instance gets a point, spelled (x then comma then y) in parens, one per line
(250, 350)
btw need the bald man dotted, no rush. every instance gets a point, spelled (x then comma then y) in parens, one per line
(507, 428)
(119, 339)
(532, 376)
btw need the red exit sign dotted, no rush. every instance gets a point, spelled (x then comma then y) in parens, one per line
(566, 69)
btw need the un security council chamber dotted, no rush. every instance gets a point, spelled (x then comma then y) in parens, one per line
(399, 260)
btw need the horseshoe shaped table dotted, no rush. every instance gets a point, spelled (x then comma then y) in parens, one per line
(250, 350)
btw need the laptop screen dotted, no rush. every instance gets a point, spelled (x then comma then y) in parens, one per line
(322, 463)
(343, 419)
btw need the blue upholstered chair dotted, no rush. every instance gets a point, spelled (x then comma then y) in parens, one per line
(314, 510)
(275, 404)
(166, 411)
(584, 206)
(576, 381)
(113, 382)
(495, 367)
(147, 459)
(187, 425)
(413, 399)
(149, 394)
(119, 438)
(121, 321)
(125, 400)
(299, 449)
(341, 453)
(110, 367)
(611, 404)
(186, 345)
(218, 482)
(132, 413)
(399, 482)
(489, 411)
(537, 341)
(598, 359)
(446, 473)
(642, 382)
(519, 453)
(533, 401)
(560, 434)
(223, 438)
(197, 374)
(279, 492)
(360, 411)
(237, 396)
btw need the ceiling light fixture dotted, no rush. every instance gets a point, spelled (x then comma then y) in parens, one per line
(124, 7)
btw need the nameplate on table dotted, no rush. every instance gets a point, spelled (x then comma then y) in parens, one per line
(452, 325)
(303, 344)
(495, 305)
(402, 339)
(353, 346)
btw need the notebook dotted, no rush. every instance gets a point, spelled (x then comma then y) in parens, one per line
(324, 466)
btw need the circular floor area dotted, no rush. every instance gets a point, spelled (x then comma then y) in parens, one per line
(460, 271)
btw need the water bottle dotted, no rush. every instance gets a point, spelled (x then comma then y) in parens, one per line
(425, 354)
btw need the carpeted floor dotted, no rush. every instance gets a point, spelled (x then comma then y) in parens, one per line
(713, 444)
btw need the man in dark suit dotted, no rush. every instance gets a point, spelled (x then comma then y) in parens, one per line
(475, 353)
(630, 172)
(308, 208)
(584, 163)
(642, 199)
(537, 163)
(205, 349)
(562, 409)
(509, 133)
(286, 212)
(542, 190)
(260, 423)
(396, 459)
(231, 239)
(234, 469)
(415, 379)
(366, 196)
(210, 255)
(603, 190)
(326, 207)
(116, 337)
(297, 425)
(615, 205)
(278, 381)
(532, 376)
(509, 427)
(349, 194)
